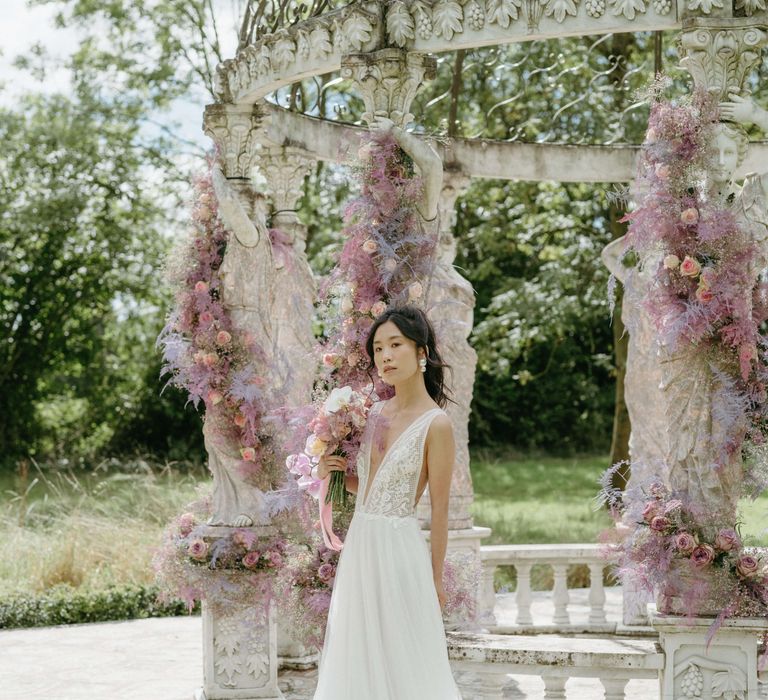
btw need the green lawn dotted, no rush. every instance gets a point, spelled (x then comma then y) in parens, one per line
(91, 531)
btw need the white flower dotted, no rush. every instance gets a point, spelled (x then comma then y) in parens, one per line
(338, 398)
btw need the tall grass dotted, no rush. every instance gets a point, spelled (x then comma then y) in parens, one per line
(89, 530)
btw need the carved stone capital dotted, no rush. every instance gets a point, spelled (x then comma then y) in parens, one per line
(388, 80)
(284, 168)
(234, 129)
(720, 54)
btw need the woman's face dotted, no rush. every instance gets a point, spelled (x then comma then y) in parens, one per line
(395, 356)
(726, 157)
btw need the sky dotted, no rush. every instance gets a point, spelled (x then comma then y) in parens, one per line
(22, 26)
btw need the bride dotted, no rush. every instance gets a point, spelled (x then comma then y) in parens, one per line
(384, 638)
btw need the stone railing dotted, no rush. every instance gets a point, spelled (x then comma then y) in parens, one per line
(555, 660)
(558, 618)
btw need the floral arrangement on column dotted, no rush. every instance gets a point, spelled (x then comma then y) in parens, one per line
(704, 300)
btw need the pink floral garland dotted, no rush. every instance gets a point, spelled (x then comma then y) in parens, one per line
(703, 296)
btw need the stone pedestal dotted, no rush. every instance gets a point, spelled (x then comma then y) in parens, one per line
(292, 654)
(725, 669)
(239, 655)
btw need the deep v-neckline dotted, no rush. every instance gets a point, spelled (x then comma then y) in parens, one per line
(371, 478)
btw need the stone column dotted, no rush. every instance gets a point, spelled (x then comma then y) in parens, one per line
(240, 644)
(284, 168)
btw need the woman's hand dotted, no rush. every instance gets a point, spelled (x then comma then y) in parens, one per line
(331, 463)
(441, 596)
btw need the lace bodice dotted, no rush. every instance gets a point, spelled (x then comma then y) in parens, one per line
(393, 490)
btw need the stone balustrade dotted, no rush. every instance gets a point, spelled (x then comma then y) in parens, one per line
(559, 556)
(492, 657)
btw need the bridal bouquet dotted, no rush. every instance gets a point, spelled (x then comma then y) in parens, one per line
(336, 428)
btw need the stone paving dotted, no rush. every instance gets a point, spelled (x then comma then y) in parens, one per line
(161, 659)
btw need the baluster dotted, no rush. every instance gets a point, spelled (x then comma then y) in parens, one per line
(488, 596)
(491, 684)
(561, 594)
(596, 595)
(523, 594)
(614, 687)
(554, 687)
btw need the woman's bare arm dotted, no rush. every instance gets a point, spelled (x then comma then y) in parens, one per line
(440, 459)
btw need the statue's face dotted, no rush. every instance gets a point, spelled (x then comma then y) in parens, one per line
(725, 157)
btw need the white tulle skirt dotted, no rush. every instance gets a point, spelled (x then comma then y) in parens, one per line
(385, 638)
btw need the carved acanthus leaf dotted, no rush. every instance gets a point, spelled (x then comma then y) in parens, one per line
(704, 5)
(400, 26)
(357, 31)
(262, 62)
(561, 8)
(283, 51)
(629, 8)
(502, 12)
(320, 41)
(446, 18)
(303, 45)
(423, 19)
(750, 6)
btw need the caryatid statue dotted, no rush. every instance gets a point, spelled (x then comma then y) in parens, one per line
(247, 273)
(689, 382)
(642, 383)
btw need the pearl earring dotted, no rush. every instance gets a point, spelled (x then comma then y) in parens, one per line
(423, 364)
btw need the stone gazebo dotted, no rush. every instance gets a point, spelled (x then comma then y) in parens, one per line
(387, 52)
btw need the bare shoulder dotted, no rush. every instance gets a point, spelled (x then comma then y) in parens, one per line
(441, 427)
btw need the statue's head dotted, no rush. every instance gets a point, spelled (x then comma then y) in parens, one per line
(729, 150)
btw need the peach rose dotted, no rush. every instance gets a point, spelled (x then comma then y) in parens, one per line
(201, 286)
(206, 318)
(330, 360)
(215, 397)
(704, 294)
(378, 308)
(690, 267)
(671, 262)
(690, 216)
(223, 337)
(240, 420)
(210, 359)
(662, 171)
(198, 549)
(204, 213)
(727, 540)
(748, 566)
(353, 358)
(248, 454)
(703, 555)
(685, 543)
(370, 246)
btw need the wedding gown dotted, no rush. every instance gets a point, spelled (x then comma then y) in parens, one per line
(384, 638)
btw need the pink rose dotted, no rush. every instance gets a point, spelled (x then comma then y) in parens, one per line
(660, 523)
(690, 267)
(330, 359)
(685, 543)
(240, 420)
(650, 510)
(248, 454)
(707, 276)
(201, 286)
(215, 397)
(671, 262)
(275, 558)
(727, 540)
(353, 358)
(748, 566)
(378, 308)
(415, 291)
(690, 216)
(703, 555)
(186, 524)
(704, 294)
(223, 337)
(251, 560)
(210, 359)
(206, 318)
(370, 246)
(326, 572)
(198, 549)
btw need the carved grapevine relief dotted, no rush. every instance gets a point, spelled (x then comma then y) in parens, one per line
(595, 8)
(475, 15)
(423, 20)
(446, 18)
(692, 683)
(400, 25)
(662, 7)
(502, 12)
(629, 8)
(283, 50)
(320, 41)
(357, 31)
(704, 5)
(750, 6)
(561, 8)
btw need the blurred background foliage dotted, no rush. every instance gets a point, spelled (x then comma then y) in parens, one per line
(93, 187)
